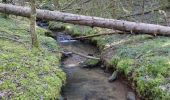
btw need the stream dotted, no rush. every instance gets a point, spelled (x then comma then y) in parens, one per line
(87, 83)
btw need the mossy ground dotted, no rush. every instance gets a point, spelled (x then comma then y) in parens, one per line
(144, 59)
(27, 73)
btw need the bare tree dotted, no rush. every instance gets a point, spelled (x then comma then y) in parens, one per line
(143, 10)
(113, 6)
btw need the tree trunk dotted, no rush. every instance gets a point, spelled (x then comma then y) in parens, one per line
(121, 25)
(5, 15)
(33, 24)
(113, 7)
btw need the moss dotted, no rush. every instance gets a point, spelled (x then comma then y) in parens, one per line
(74, 30)
(57, 26)
(47, 5)
(140, 57)
(148, 62)
(126, 65)
(49, 34)
(25, 73)
(91, 62)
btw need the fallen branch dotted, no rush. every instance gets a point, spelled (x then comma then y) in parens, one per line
(80, 54)
(89, 57)
(84, 2)
(96, 35)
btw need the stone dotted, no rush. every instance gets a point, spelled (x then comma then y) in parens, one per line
(131, 96)
(113, 77)
(67, 54)
(89, 63)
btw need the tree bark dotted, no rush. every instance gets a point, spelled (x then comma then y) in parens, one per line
(141, 28)
(33, 24)
(5, 15)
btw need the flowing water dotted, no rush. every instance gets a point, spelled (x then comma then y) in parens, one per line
(91, 83)
(87, 83)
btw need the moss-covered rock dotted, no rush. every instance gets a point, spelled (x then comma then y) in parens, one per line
(28, 73)
(89, 63)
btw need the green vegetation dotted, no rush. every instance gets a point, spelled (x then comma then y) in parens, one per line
(91, 62)
(56, 26)
(147, 62)
(27, 73)
(144, 59)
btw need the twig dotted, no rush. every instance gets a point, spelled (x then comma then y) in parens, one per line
(143, 10)
(89, 57)
(80, 54)
(84, 2)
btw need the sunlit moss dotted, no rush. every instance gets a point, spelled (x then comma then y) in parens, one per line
(143, 58)
(27, 73)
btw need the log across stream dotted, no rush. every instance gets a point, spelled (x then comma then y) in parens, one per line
(87, 83)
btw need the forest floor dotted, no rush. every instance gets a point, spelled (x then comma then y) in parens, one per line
(33, 73)
(143, 59)
(27, 73)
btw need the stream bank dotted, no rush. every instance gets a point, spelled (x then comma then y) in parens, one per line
(27, 73)
(92, 82)
(88, 83)
(142, 59)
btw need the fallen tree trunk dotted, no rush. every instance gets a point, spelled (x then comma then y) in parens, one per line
(97, 35)
(121, 25)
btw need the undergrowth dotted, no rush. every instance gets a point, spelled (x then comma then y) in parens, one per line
(144, 59)
(27, 73)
